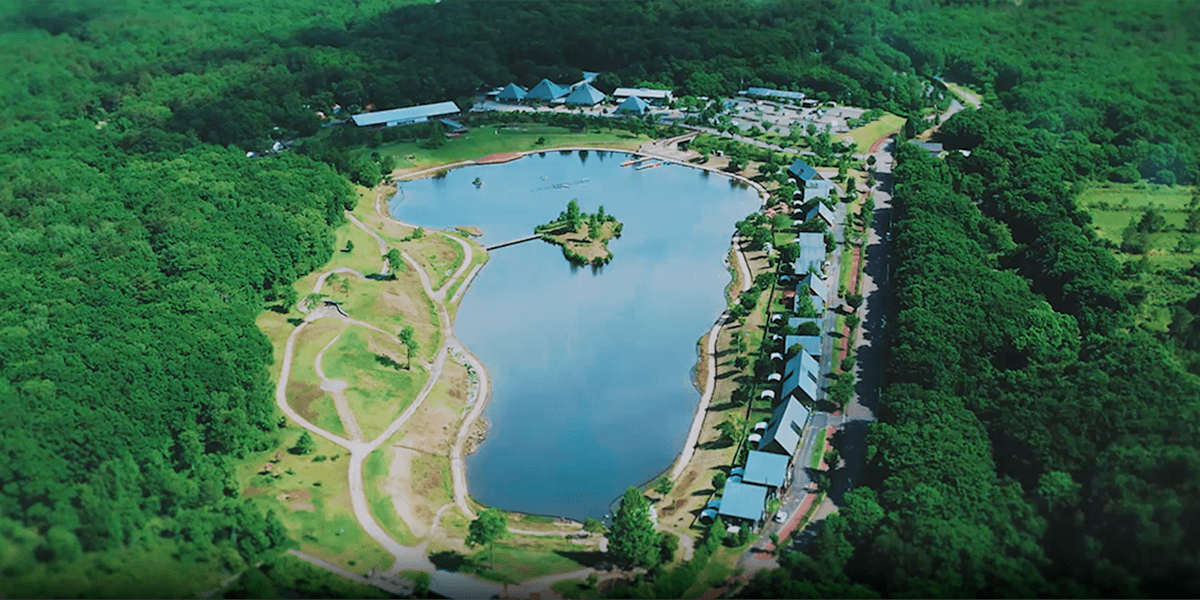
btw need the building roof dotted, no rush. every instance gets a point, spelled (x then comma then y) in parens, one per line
(811, 239)
(796, 321)
(743, 501)
(406, 114)
(548, 90)
(453, 125)
(512, 91)
(815, 285)
(933, 147)
(642, 93)
(810, 343)
(787, 422)
(766, 468)
(770, 93)
(818, 188)
(818, 303)
(803, 371)
(585, 95)
(633, 104)
(802, 171)
(820, 210)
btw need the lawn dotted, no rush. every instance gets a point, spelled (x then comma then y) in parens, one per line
(521, 558)
(375, 471)
(311, 495)
(493, 139)
(380, 388)
(867, 134)
(363, 255)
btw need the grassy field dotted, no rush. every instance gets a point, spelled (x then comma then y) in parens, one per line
(965, 94)
(363, 256)
(525, 557)
(1113, 207)
(380, 388)
(720, 566)
(375, 471)
(492, 139)
(312, 497)
(867, 134)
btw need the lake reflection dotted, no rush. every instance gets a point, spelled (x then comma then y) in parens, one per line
(590, 370)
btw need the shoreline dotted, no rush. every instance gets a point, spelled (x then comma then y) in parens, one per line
(676, 467)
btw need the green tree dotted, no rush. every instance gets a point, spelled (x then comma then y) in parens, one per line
(394, 260)
(304, 445)
(664, 485)
(632, 541)
(593, 525)
(407, 338)
(1192, 225)
(491, 525)
(718, 480)
(1151, 222)
(349, 246)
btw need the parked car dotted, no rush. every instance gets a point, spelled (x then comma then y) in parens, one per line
(781, 516)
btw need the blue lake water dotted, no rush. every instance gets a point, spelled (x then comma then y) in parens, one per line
(590, 370)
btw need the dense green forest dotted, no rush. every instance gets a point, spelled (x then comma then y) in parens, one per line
(1035, 441)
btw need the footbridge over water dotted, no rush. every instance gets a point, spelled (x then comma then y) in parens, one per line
(514, 242)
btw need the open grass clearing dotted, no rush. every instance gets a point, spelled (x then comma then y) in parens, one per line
(1136, 196)
(495, 139)
(867, 134)
(434, 424)
(526, 557)
(312, 497)
(968, 96)
(303, 386)
(379, 386)
(293, 573)
(385, 506)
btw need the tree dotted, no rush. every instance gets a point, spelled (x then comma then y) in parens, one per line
(410, 345)
(632, 541)
(1151, 222)
(1192, 225)
(732, 429)
(593, 525)
(394, 260)
(718, 480)
(664, 485)
(304, 445)
(349, 246)
(491, 525)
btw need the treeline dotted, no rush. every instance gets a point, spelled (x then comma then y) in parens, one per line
(131, 367)
(1030, 443)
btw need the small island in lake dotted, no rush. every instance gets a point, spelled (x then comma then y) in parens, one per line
(582, 236)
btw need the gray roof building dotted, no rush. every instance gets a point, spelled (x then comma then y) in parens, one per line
(801, 171)
(766, 469)
(743, 501)
(770, 93)
(647, 94)
(404, 116)
(787, 424)
(811, 344)
(821, 211)
(813, 285)
(800, 381)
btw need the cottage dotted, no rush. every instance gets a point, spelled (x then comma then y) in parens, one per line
(813, 285)
(787, 424)
(801, 173)
(743, 503)
(820, 211)
(809, 344)
(934, 148)
(770, 470)
(800, 378)
(817, 303)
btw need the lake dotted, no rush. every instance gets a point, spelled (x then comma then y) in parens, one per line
(590, 369)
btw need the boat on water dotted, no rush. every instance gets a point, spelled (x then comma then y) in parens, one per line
(478, 182)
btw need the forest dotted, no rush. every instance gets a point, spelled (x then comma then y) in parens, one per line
(1036, 439)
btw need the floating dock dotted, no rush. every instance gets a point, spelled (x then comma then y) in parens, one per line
(634, 161)
(649, 166)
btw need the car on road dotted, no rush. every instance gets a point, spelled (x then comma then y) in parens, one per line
(888, 236)
(781, 516)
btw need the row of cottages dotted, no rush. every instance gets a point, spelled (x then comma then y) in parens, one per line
(769, 467)
(768, 470)
(408, 116)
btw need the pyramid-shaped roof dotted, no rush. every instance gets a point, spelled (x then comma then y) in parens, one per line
(585, 95)
(512, 91)
(548, 90)
(634, 104)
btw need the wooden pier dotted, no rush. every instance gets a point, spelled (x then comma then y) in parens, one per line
(514, 242)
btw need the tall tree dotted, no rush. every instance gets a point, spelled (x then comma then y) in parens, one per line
(406, 336)
(491, 525)
(632, 541)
